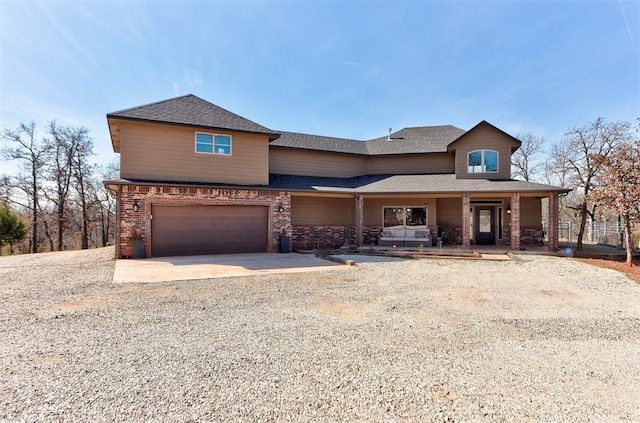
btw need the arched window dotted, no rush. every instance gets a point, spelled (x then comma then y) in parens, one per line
(482, 161)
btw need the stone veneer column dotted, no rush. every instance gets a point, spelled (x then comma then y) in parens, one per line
(515, 221)
(359, 219)
(466, 227)
(553, 222)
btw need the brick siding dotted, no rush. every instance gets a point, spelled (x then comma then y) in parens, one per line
(146, 196)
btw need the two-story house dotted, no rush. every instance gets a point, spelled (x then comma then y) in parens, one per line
(198, 179)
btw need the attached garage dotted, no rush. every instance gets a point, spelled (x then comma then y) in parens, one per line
(178, 230)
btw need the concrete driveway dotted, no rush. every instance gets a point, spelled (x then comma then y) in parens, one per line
(217, 266)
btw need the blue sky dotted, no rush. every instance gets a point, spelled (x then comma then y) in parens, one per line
(350, 69)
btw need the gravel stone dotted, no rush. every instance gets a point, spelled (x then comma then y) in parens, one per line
(537, 339)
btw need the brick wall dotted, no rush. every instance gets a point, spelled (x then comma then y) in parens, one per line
(529, 235)
(308, 237)
(146, 196)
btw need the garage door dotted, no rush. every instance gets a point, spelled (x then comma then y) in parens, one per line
(192, 230)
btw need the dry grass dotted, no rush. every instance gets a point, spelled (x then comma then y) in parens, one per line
(632, 271)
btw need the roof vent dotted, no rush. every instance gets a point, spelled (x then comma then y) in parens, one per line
(389, 137)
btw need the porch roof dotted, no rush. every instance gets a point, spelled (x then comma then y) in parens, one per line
(401, 184)
(373, 184)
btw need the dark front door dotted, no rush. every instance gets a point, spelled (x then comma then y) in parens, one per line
(484, 226)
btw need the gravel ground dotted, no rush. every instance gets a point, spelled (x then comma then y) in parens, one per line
(541, 339)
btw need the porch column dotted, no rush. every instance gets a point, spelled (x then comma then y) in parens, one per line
(359, 219)
(466, 226)
(515, 221)
(552, 226)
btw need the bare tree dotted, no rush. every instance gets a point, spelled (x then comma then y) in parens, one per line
(62, 149)
(30, 152)
(574, 160)
(105, 202)
(523, 161)
(618, 187)
(82, 171)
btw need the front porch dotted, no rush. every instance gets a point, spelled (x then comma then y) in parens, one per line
(465, 221)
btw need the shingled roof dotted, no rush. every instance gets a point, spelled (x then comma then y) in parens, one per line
(375, 184)
(401, 184)
(192, 111)
(320, 143)
(424, 139)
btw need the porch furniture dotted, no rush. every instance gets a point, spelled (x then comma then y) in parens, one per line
(405, 237)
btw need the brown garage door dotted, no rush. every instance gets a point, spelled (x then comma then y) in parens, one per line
(192, 230)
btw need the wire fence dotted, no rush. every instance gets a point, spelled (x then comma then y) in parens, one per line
(604, 232)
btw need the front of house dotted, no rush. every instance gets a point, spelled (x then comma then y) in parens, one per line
(198, 179)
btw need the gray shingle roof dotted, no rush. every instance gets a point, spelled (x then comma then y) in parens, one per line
(376, 184)
(425, 139)
(320, 143)
(193, 111)
(400, 184)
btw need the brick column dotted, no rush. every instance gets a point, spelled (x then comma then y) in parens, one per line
(515, 221)
(553, 222)
(466, 227)
(359, 219)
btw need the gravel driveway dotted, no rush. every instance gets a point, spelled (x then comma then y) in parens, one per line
(541, 339)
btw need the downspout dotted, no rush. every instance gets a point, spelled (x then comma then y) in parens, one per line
(118, 221)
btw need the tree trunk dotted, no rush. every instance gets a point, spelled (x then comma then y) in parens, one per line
(85, 217)
(34, 219)
(104, 226)
(47, 233)
(583, 224)
(60, 222)
(85, 225)
(628, 238)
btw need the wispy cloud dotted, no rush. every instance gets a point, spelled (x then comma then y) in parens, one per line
(626, 22)
(192, 78)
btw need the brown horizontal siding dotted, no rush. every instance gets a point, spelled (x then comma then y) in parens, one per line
(411, 164)
(166, 152)
(287, 161)
(318, 211)
(449, 210)
(530, 212)
(484, 138)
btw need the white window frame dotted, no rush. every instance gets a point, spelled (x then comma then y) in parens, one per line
(213, 143)
(483, 166)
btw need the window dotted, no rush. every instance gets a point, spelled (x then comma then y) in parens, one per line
(401, 217)
(482, 161)
(213, 144)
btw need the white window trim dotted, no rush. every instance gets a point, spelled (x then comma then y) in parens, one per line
(213, 146)
(482, 164)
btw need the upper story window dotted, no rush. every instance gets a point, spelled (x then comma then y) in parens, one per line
(213, 144)
(482, 161)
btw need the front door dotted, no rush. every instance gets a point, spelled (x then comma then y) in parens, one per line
(484, 226)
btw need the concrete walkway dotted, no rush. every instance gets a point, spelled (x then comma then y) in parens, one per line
(217, 266)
